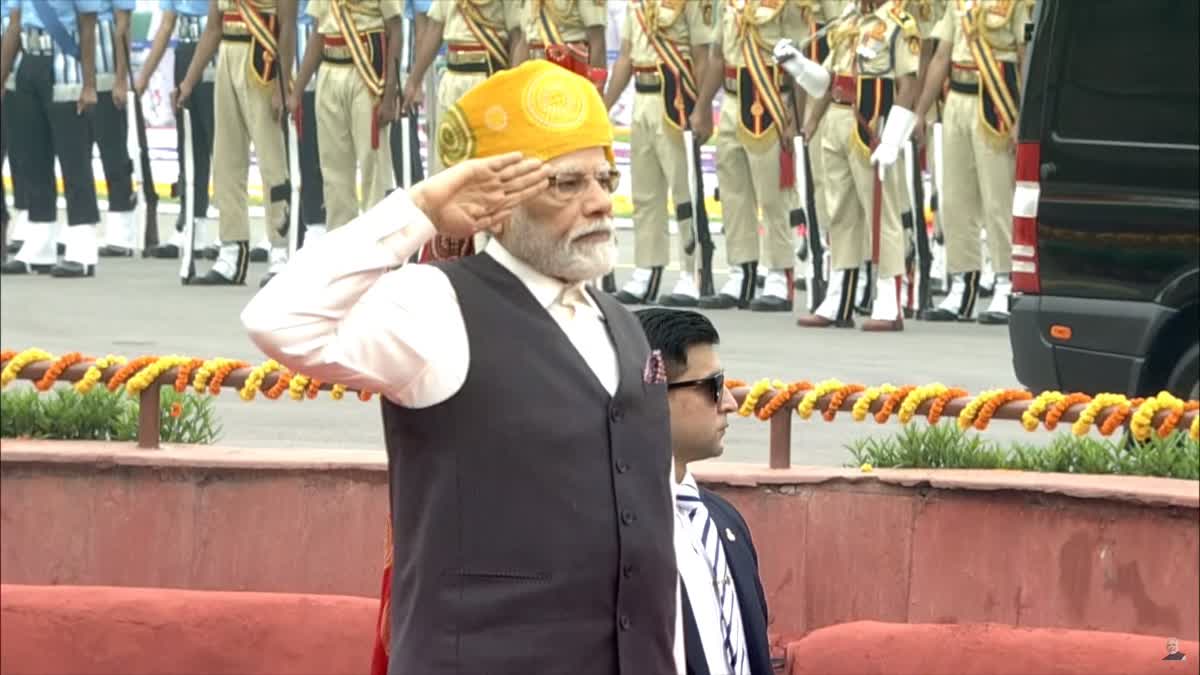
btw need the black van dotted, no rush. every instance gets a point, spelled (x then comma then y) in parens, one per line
(1106, 214)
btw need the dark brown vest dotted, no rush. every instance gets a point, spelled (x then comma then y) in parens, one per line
(531, 511)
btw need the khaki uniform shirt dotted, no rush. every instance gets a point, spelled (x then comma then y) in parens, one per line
(231, 6)
(680, 21)
(572, 17)
(504, 15)
(770, 20)
(880, 52)
(1001, 22)
(368, 15)
(926, 13)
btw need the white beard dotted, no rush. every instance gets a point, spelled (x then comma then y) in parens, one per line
(563, 257)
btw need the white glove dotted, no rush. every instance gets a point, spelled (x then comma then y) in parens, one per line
(896, 130)
(811, 77)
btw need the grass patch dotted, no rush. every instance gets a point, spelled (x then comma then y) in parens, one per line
(101, 415)
(945, 446)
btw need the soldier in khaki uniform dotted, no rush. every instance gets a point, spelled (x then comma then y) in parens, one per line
(577, 24)
(664, 48)
(757, 122)
(254, 37)
(980, 46)
(874, 59)
(357, 95)
(480, 37)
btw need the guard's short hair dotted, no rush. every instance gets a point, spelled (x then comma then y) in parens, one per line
(673, 331)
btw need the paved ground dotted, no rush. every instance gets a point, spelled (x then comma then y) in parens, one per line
(137, 306)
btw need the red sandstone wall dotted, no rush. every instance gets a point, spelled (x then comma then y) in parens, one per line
(831, 552)
(102, 631)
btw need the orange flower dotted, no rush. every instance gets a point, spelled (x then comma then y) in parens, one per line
(989, 409)
(885, 411)
(838, 398)
(57, 369)
(128, 370)
(176, 409)
(939, 403)
(1056, 413)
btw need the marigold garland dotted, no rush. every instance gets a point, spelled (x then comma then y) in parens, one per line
(128, 370)
(95, 371)
(781, 399)
(18, 363)
(1060, 408)
(1142, 423)
(863, 405)
(255, 379)
(314, 388)
(839, 397)
(150, 374)
(364, 396)
(943, 399)
(337, 392)
(6, 355)
(809, 402)
(53, 372)
(297, 386)
(200, 382)
(967, 417)
(282, 384)
(908, 407)
(1116, 418)
(1088, 416)
(185, 374)
(751, 400)
(989, 409)
(1176, 415)
(734, 384)
(1033, 414)
(222, 372)
(1194, 430)
(893, 400)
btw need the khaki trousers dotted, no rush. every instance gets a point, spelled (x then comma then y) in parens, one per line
(345, 109)
(658, 164)
(749, 183)
(979, 181)
(816, 161)
(849, 193)
(243, 117)
(450, 88)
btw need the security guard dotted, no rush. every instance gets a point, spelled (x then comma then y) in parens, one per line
(754, 140)
(184, 20)
(480, 38)
(874, 59)
(15, 223)
(357, 90)
(664, 48)
(55, 92)
(112, 128)
(980, 44)
(312, 181)
(254, 37)
(579, 25)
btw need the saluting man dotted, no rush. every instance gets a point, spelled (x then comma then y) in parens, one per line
(54, 94)
(356, 99)
(754, 139)
(665, 50)
(980, 46)
(254, 37)
(874, 59)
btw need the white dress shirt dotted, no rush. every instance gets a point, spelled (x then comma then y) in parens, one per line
(341, 311)
(698, 582)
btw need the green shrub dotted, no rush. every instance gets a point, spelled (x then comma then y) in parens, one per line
(101, 415)
(945, 446)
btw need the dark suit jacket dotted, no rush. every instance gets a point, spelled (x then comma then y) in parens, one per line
(743, 565)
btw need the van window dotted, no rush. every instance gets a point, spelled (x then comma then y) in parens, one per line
(1130, 72)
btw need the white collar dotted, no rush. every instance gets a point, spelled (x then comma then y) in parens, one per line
(545, 289)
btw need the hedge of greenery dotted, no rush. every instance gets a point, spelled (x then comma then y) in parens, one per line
(101, 415)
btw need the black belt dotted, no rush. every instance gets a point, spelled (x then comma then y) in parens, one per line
(338, 60)
(468, 67)
(225, 37)
(969, 88)
(647, 88)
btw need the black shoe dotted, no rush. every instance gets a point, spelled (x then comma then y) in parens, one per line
(259, 255)
(61, 248)
(994, 318)
(940, 314)
(13, 247)
(206, 253)
(770, 303)
(678, 300)
(110, 251)
(69, 269)
(800, 284)
(165, 251)
(18, 267)
(718, 301)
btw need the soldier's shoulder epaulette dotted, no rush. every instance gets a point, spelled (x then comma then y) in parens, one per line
(906, 21)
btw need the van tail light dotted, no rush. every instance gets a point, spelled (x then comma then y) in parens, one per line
(1025, 274)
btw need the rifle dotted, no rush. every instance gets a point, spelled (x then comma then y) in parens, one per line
(700, 226)
(149, 236)
(187, 261)
(807, 213)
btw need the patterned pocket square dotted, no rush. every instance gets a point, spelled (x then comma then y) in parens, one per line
(655, 371)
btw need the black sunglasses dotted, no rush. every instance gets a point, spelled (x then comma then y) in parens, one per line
(715, 383)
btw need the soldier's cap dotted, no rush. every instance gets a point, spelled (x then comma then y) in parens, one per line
(538, 108)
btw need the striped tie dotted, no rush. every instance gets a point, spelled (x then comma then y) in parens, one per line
(705, 530)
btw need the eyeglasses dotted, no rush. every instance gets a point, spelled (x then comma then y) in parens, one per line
(715, 384)
(572, 183)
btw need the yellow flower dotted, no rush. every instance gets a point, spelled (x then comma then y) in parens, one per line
(908, 407)
(337, 392)
(1032, 415)
(809, 402)
(756, 393)
(297, 386)
(863, 405)
(866, 467)
(92, 375)
(967, 417)
(255, 379)
(18, 363)
(1088, 417)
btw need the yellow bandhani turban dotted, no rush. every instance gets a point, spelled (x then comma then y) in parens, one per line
(538, 108)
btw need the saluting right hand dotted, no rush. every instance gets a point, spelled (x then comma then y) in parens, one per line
(479, 194)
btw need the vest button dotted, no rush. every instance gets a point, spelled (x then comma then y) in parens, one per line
(615, 413)
(627, 517)
(624, 622)
(622, 466)
(627, 571)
